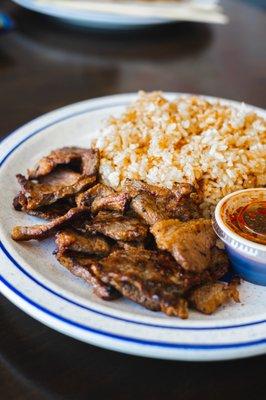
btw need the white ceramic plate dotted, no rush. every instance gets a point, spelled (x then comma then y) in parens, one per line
(33, 280)
(90, 19)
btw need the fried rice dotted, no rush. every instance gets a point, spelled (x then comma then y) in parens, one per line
(215, 147)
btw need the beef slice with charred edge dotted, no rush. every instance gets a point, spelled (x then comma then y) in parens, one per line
(80, 266)
(48, 212)
(146, 277)
(59, 185)
(86, 161)
(189, 242)
(208, 298)
(60, 178)
(71, 240)
(102, 197)
(39, 232)
(134, 187)
(154, 279)
(118, 227)
(116, 202)
(86, 198)
(154, 203)
(145, 206)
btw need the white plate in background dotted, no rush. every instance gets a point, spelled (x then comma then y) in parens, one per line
(150, 14)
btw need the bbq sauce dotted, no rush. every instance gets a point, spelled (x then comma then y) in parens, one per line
(249, 221)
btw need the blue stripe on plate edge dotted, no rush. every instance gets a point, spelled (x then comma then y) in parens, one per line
(19, 267)
(187, 346)
(75, 303)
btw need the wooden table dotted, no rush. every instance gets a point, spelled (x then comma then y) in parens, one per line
(45, 65)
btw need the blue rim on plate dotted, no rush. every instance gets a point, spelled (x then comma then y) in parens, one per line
(191, 346)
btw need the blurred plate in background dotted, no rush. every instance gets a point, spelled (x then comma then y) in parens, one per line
(131, 15)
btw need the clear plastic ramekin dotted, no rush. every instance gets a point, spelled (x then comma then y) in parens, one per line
(248, 258)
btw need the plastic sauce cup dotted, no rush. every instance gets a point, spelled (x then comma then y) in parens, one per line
(247, 257)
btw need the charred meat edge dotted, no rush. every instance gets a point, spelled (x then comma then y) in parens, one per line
(209, 297)
(89, 160)
(71, 240)
(81, 267)
(153, 279)
(39, 232)
(36, 195)
(118, 227)
(102, 198)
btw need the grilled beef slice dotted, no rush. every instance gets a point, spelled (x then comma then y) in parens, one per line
(48, 212)
(87, 197)
(71, 240)
(135, 187)
(102, 198)
(80, 266)
(153, 203)
(61, 175)
(208, 298)
(154, 279)
(146, 207)
(77, 252)
(86, 161)
(189, 242)
(179, 190)
(118, 227)
(59, 185)
(149, 278)
(39, 232)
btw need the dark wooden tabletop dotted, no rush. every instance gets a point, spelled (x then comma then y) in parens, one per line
(44, 65)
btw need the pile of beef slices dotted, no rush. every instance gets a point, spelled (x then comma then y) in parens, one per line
(144, 242)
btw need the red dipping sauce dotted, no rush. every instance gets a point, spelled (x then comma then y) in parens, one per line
(249, 221)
